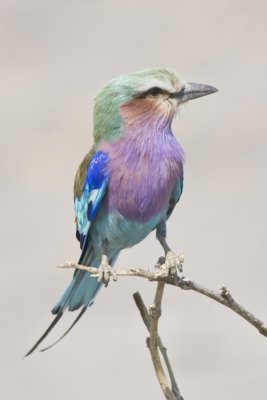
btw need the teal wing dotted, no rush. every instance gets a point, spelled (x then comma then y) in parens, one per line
(87, 205)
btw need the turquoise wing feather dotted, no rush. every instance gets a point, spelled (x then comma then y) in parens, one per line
(94, 188)
(83, 288)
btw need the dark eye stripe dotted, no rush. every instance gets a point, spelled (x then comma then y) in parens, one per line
(154, 91)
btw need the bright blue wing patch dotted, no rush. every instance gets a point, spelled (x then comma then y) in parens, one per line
(94, 188)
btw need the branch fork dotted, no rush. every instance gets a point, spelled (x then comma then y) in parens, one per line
(167, 273)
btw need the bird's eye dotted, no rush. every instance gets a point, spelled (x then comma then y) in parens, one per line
(155, 91)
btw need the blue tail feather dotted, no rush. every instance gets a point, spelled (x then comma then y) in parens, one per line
(80, 292)
(83, 288)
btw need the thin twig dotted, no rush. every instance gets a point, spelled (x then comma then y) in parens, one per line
(155, 313)
(146, 319)
(142, 308)
(175, 388)
(223, 296)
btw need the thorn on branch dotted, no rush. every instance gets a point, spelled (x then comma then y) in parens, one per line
(263, 329)
(154, 312)
(225, 293)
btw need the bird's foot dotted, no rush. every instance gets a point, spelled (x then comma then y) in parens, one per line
(105, 271)
(170, 264)
(174, 262)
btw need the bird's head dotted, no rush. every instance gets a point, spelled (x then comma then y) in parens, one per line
(148, 97)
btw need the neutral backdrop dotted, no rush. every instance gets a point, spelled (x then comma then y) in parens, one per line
(55, 56)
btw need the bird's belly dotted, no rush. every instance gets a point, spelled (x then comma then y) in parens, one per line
(120, 231)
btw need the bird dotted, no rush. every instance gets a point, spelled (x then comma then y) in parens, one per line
(130, 181)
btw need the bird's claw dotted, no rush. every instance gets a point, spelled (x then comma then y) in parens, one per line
(170, 264)
(174, 262)
(160, 262)
(105, 271)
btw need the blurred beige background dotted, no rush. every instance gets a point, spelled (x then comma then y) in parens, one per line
(55, 56)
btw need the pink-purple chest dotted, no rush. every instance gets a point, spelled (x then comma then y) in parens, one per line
(142, 175)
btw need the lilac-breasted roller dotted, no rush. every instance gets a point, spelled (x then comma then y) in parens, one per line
(130, 181)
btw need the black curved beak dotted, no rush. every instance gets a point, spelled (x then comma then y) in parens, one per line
(193, 91)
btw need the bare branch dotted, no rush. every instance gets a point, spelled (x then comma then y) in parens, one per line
(161, 275)
(155, 313)
(147, 321)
